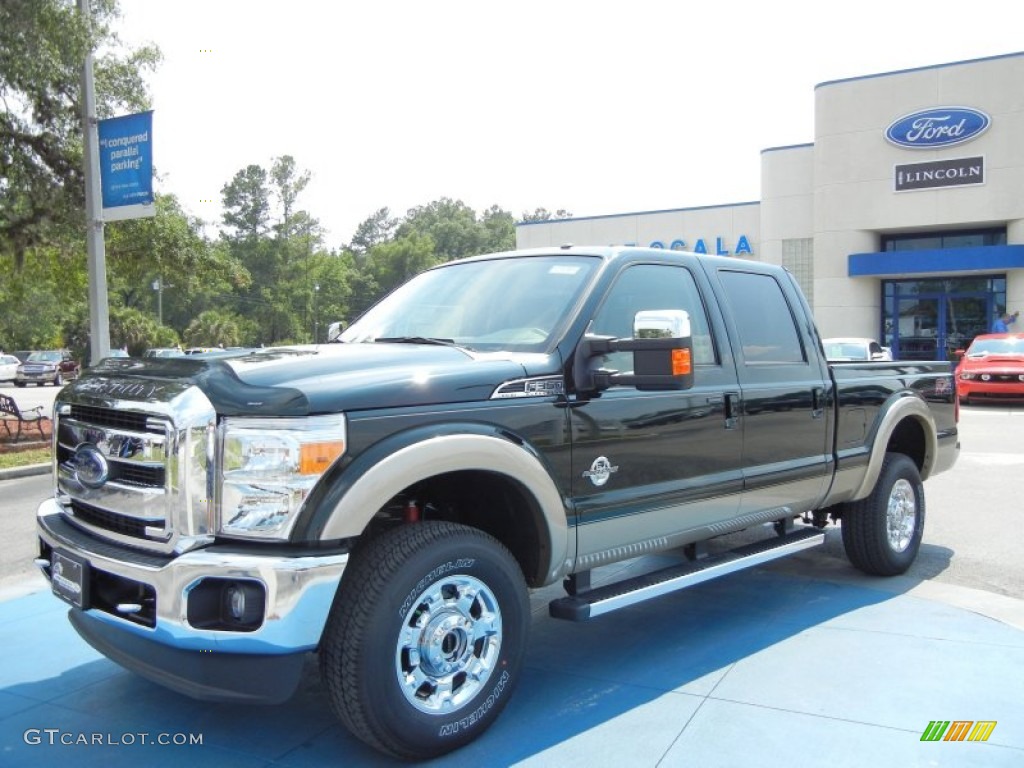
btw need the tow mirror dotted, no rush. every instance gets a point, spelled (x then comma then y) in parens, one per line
(662, 354)
(334, 330)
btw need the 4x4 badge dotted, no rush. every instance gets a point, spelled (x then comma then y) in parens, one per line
(600, 471)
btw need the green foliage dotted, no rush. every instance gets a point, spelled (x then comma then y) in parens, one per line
(37, 299)
(213, 328)
(394, 262)
(246, 201)
(133, 330)
(373, 230)
(171, 249)
(451, 224)
(543, 214)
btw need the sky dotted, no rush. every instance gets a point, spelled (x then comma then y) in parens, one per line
(591, 106)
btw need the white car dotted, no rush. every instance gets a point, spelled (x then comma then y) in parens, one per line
(8, 367)
(843, 349)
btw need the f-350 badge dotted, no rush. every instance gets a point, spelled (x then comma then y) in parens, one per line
(600, 471)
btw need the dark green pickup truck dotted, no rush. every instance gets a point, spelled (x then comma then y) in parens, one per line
(496, 424)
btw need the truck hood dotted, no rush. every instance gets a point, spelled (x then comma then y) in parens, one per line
(298, 381)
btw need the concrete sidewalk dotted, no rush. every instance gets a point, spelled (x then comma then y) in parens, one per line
(769, 667)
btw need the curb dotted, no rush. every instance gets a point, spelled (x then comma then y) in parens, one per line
(26, 471)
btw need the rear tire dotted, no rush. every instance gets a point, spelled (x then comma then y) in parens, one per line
(426, 638)
(882, 533)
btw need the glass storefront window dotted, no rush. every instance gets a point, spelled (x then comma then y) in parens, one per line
(932, 319)
(924, 241)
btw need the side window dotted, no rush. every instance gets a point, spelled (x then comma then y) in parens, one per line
(767, 329)
(653, 286)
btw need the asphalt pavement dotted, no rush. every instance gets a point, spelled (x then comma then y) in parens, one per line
(803, 662)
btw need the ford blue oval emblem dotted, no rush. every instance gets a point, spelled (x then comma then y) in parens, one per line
(91, 466)
(937, 127)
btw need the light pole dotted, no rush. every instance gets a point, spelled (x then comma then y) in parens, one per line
(158, 286)
(316, 316)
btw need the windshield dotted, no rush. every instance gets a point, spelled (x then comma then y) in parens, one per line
(514, 304)
(44, 357)
(847, 351)
(983, 347)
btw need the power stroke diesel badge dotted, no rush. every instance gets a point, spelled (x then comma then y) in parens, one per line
(600, 471)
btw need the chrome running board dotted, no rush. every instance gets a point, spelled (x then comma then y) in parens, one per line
(620, 594)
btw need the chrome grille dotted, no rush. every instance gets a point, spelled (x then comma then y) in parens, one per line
(136, 472)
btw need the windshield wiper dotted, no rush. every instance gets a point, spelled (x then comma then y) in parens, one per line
(415, 340)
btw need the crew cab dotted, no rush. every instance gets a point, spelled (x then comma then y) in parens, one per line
(496, 424)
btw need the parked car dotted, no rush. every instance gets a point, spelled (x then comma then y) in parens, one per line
(844, 349)
(992, 368)
(52, 366)
(8, 367)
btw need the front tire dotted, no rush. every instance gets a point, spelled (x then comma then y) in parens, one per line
(882, 533)
(426, 638)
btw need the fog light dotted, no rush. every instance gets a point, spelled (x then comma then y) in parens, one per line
(985, 377)
(243, 603)
(228, 605)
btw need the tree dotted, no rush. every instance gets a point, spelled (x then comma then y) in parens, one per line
(499, 228)
(214, 328)
(451, 224)
(288, 184)
(543, 214)
(246, 201)
(373, 230)
(169, 247)
(133, 330)
(391, 264)
(43, 44)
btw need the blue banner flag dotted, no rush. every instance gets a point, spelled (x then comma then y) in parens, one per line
(126, 166)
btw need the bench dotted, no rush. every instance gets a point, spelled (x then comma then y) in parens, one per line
(10, 412)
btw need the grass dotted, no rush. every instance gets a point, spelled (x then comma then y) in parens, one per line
(24, 458)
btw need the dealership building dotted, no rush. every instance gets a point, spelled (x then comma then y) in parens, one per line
(902, 221)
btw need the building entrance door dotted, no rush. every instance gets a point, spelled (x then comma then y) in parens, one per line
(932, 319)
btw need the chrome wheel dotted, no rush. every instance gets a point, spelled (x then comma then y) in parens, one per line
(449, 644)
(901, 515)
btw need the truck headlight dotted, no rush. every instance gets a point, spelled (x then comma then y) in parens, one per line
(268, 468)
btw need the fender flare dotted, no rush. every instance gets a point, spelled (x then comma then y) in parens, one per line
(900, 409)
(352, 497)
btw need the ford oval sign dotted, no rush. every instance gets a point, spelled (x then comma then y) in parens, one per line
(91, 466)
(937, 127)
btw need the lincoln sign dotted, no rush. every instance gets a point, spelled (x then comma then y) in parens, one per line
(939, 173)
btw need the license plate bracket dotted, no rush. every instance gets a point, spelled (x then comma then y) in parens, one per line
(69, 578)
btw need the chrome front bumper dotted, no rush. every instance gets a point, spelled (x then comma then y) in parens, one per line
(299, 589)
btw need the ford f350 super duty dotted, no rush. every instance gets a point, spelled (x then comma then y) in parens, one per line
(496, 424)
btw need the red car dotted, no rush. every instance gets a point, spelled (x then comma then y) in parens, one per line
(992, 368)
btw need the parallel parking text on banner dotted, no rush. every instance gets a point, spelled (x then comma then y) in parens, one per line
(126, 166)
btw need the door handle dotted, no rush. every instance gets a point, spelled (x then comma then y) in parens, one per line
(732, 409)
(817, 402)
